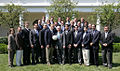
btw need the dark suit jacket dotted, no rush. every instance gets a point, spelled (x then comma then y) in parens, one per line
(42, 36)
(66, 38)
(109, 40)
(40, 27)
(48, 37)
(11, 42)
(26, 37)
(81, 29)
(77, 39)
(86, 40)
(95, 39)
(35, 38)
(19, 41)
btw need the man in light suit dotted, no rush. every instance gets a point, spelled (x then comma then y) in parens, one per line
(95, 36)
(106, 42)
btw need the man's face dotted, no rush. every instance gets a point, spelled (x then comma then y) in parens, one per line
(76, 28)
(45, 26)
(66, 27)
(58, 28)
(52, 26)
(39, 21)
(19, 28)
(82, 19)
(72, 23)
(85, 29)
(93, 27)
(35, 26)
(106, 29)
(27, 25)
(90, 26)
(62, 22)
(78, 24)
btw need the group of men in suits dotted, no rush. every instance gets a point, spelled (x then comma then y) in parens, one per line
(73, 41)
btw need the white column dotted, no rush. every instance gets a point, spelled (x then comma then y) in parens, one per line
(47, 16)
(98, 23)
(21, 21)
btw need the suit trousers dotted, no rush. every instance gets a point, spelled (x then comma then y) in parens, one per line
(96, 56)
(107, 56)
(19, 54)
(49, 54)
(11, 54)
(80, 56)
(86, 56)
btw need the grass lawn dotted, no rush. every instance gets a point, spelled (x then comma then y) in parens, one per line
(56, 67)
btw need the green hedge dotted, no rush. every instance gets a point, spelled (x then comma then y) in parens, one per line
(116, 47)
(3, 48)
(4, 40)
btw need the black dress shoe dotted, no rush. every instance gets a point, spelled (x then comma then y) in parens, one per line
(110, 66)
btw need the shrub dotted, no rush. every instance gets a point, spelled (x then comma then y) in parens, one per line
(3, 48)
(4, 40)
(117, 39)
(116, 47)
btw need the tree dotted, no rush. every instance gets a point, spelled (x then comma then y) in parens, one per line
(10, 14)
(109, 15)
(63, 9)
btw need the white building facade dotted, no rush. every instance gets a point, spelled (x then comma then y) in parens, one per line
(39, 6)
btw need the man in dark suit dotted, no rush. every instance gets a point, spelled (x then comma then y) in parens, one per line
(27, 46)
(58, 44)
(95, 36)
(42, 42)
(49, 43)
(35, 44)
(106, 42)
(77, 50)
(40, 27)
(71, 27)
(20, 43)
(86, 47)
(66, 44)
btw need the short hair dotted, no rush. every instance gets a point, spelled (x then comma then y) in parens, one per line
(67, 25)
(94, 24)
(11, 29)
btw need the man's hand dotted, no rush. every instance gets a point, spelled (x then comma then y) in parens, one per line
(63, 46)
(105, 44)
(82, 45)
(91, 44)
(75, 45)
(32, 46)
(42, 46)
(47, 46)
(69, 46)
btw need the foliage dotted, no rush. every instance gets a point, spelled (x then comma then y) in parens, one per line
(3, 48)
(109, 14)
(63, 9)
(9, 14)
